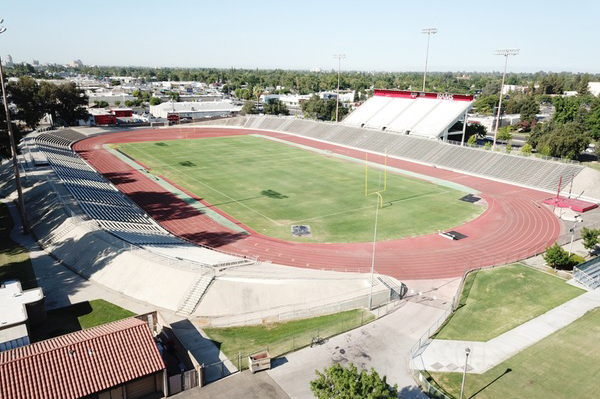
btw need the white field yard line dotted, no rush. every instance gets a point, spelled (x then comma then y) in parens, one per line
(213, 189)
(368, 206)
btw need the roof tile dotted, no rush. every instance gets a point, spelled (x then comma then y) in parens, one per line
(81, 363)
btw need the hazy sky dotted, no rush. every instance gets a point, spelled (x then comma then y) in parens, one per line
(375, 35)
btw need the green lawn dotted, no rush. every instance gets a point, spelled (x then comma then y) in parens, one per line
(271, 186)
(563, 365)
(14, 259)
(497, 300)
(593, 165)
(79, 316)
(281, 338)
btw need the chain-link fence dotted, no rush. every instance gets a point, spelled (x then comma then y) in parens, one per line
(295, 341)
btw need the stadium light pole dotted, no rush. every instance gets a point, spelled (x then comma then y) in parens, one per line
(337, 98)
(506, 53)
(462, 386)
(428, 32)
(379, 203)
(13, 148)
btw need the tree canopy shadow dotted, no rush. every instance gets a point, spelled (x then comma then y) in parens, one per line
(120, 177)
(163, 206)
(273, 194)
(214, 239)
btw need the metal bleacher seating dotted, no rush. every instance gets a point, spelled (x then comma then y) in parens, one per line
(523, 170)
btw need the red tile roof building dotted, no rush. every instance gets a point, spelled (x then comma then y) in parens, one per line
(82, 363)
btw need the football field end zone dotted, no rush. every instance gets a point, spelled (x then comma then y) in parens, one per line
(431, 179)
(217, 217)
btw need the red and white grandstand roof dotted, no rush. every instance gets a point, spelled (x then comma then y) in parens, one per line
(411, 112)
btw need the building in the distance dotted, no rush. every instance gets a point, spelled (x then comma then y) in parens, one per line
(76, 64)
(18, 311)
(195, 110)
(594, 88)
(8, 61)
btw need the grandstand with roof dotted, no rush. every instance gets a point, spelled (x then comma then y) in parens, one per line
(429, 115)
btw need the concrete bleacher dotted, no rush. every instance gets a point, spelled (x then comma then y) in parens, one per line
(522, 170)
(428, 115)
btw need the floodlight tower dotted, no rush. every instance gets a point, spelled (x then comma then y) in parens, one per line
(428, 32)
(13, 148)
(505, 53)
(337, 99)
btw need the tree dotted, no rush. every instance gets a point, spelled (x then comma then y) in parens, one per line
(348, 383)
(249, 108)
(590, 238)
(485, 104)
(173, 95)
(101, 104)
(529, 108)
(5, 150)
(582, 86)
(65, 102)
(557, 257)
(508, 147)
(275, 107)
(472, 142)
(25, 94)
(568, 140)
(257, 91)
(154, 101)
(504, 133)
(117, 103)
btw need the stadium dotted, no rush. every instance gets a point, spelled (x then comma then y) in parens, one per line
(254, 219)
(121, 202)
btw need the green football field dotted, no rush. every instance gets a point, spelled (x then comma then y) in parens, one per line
(270, 186)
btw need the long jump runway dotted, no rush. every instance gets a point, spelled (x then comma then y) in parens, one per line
(514, 226)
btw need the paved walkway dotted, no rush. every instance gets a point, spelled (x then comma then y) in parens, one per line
(449, 355)
(384, 344)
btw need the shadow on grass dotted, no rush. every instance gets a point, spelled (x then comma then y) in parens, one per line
(508, 370)
(62, 321)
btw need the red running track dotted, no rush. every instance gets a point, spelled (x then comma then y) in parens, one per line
(515, 224)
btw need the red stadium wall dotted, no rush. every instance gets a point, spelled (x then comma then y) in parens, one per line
(418, 94)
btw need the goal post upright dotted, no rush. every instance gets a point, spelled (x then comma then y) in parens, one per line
(379, 191)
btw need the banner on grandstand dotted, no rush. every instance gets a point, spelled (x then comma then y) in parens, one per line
(420, 94)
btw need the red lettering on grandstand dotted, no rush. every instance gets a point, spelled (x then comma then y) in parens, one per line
(417, 94)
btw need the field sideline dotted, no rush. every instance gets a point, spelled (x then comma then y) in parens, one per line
(270, 186)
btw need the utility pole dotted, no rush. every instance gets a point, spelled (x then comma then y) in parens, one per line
(428, 32)
(337, 99)
(504, 53)
(13, 149)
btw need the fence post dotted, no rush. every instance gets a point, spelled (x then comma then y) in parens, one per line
(240, 361)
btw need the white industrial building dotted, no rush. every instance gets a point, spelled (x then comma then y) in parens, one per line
(195, 110)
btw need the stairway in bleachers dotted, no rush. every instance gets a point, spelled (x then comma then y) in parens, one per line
(195, 294)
